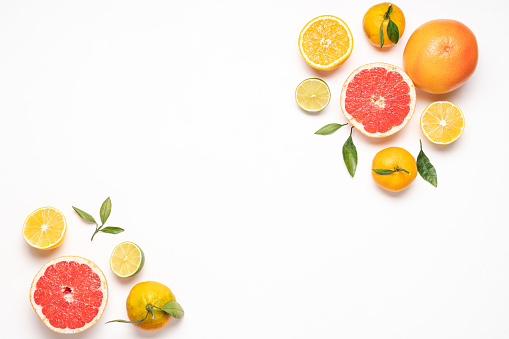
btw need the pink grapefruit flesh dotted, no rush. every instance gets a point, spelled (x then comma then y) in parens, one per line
(69, 294)
(378, 99)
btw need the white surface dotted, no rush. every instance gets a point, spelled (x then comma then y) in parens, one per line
(184, 114)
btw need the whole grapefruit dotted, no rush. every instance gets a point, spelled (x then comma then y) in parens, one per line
(440, 55)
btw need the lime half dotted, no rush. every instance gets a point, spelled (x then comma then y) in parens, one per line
(127, 259)
(312, 95)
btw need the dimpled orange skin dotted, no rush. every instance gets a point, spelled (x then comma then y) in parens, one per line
(389, 158)
(440, 55)
(149, 292)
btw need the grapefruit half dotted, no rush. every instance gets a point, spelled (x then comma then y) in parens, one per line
(378, 99)
(69, 294)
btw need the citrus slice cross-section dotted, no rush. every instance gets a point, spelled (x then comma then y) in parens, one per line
(312, 95)
(378, 99)
(127, 259)
(69, 294)
(45, 228)
(325, 42)
(442, 122)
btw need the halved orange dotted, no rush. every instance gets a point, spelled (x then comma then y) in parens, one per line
(45, 228)
(442, 122)
(325, 42)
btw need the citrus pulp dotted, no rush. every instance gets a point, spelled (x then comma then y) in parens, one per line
(378, 99)
(442, 122)
(325, 42)
(312, 95)
(45, 228)
(69, 294)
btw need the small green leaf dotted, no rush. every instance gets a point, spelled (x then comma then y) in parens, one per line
(329, 129)
(393, 31)
(389, 11)
(425, 168)
(105, 210)
(383, 171)
(174, 309)
(350, 155)
(111, 230)
(382, 34)
(84, 215)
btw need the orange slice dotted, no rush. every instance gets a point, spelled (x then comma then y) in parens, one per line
(442, 122)
(45, 228)
(325, 42)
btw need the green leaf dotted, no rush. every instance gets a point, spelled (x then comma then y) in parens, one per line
(425, 168)
(393, 31)
(350, 154)
(383, 171)
(382, 34)
(84, 215)
(329, 129)
(111, 230)
(174, 309)
(105, 210)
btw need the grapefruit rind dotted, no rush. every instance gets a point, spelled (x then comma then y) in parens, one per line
(358, 125)
(103, 288)
(336, 62)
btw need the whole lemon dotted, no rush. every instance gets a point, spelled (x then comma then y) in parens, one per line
(149, 293)
(374, 18)
(398, 160)
(440, 55)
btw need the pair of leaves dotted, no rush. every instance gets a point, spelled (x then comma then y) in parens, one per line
(104, 213)
(173, 308)
(349, 149)
(392, 28)
(384, 171)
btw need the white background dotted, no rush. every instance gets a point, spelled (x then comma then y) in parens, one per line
(184, 114)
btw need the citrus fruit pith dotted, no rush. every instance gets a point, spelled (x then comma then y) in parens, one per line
(45, 228)
(153, 293)
(440, 55)
(374, 17)
(69, 294)
(394, 158)
(378, 99)
(442, 122)
(325, 42)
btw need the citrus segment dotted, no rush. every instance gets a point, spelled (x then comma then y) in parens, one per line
(312, 95)
(45, 228)
(69, 294)
(127, 259)
(442, 122)
(325, 42)
(378, 99)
